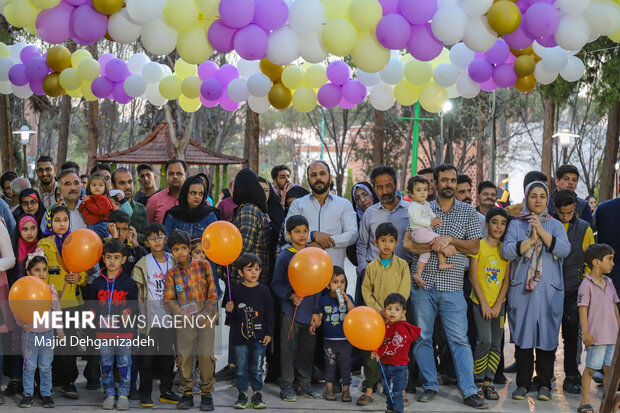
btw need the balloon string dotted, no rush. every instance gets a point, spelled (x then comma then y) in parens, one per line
(292, 321)
(63, 290)
(25, 351)
(386, 382)
(228, 279)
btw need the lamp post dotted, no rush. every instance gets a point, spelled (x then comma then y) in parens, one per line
(617, 186)
(24, 136)
(564, 138)
(446, 108)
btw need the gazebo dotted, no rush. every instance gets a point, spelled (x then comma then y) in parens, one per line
(157, 149)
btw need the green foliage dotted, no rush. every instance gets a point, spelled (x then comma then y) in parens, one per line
(349, 187)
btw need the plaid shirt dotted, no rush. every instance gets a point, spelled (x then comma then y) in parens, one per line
(194, 284)
(461, 222)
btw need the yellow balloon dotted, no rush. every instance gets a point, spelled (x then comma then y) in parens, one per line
(339, 37)
(189, 105)
(4, 50)
(304, 99)
(525, 84)
(87, 92)
(504, 17)
(524, 65)
(180, 14)
(51, 85)
(272, 70)
(89, 69)
(191, 87)
(208, 8)
(32, 29)
(108, 6)
(405, 93)
(170, 87)
(20, 13)
(58, 58)
(45, 4)
(315, 76)
(77, 93)
(368, 54)
(444, 57)
(433, 97)
(293, 78)
(69, 79)
(365, 14)
(280, 97)
(336, 9)
(520, 52)
(183, 69)
(418, 73)
(78, 56)
(192, 44)
(615, 36)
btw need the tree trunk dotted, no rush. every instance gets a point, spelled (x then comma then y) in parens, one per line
(379, 135)
(480, 141)
(610, 153)
(547, 144)
(6, 135)
(252, 133)
(63, 131)
(408, 147)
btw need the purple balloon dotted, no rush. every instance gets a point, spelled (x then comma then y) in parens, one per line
(523, 5)
(541, 19)
(227, 73)
(390, 6)
(211, 89)
(504, 75)
(510, 59)
(329, 95)
(29, 52)
(353, 92)
(228, 104)
(345, 104)
(393, 31)
(103, 61)
(488, 86)
(17, 75)
(237, 13)
(480, 70)
(207, 70)
(116, 70)
(547, 41)
(221, 36)
(338, 72)
(37, 68)
(251, 42)
(53, 24)
(418, 11)
(270, 14)
(88, 24)
(36, 85)
(120, 95)
(208, 103)
(423, 45)
(519, 39)
(498, 53)
(102, 87)
(77, 2)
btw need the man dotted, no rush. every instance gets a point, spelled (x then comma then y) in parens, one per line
(162, 201)
(567, 177)
(84, 179)
(148, 184)
(281, 175)
(70, 189)
(17, 186)
(122, 179)
(463, 189)
(46, 172)
(5, 182)
(70, 165)
(432, 185)
(105, 170)
(607, 222)
(487, 196)
(443, 293)
(331, 219)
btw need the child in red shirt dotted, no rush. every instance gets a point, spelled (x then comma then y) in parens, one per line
(96, 206)
(394, 353)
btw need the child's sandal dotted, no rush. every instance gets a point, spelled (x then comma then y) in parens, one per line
(330, 396)
(490, 393)
(346, 397)
(364, 400)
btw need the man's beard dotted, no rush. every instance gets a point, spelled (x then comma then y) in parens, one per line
(447, 193)
(321, 191)
(388, 198)
(467, 201)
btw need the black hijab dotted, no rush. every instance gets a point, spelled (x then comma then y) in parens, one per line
(296, 192)
(226, 193)
(368, 188)
(183, 210)
(247, 190)
(274, 209)
(19, 211)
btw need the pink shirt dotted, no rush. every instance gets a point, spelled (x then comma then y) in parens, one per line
(158, 204)
(601, 310)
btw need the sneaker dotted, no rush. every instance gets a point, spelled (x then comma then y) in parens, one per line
(47, 402)
(571, 387)
(108, 403)
(93, 384)
(14, 387)
(427, 396)
(206, 403)
(597, 377)
(134, 394)
(169, 397)
(69, 391)
(146, 401)
(308, 391)
(26, 401)
(122, 403)
(519, 394)
(187, 402)
(288, 394)
(227, 373)
(476, 402)
(544, 394)
(257, 401)
(242, 401)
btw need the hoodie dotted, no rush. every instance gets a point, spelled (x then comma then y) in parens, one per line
(398, 339)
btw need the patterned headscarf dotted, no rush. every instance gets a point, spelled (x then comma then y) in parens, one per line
(534, 254)
(59, 239)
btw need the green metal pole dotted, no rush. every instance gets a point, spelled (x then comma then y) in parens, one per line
(415, 139)
(162, 177)
(224, 176)
(216, 196)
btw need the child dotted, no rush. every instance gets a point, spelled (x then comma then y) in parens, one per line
(118, 227)
(37, 352)
(250, 316)
(421, 219)
(118, 200)
(199, 254)
(599, 317)
(190, 291)
(297, 351)
(385, 275)
(334, 307)
(150, 275)
(96, 205)
(394, 353)
(488, 271)
(24, 243)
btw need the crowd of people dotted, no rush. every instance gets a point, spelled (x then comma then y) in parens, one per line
(443, 273)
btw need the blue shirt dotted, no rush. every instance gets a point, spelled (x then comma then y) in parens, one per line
(607, 222)
(5, 213)
(333, 317)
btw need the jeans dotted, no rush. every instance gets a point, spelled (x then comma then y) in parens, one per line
(452, 309)
(40, 356)
(250, 361)
(398, 376)
(107, 355)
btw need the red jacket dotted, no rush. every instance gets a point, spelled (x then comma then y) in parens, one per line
(96, 209)
(398, 339)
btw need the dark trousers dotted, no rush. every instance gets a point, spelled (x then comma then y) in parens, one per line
(372, 372)
(273, 351)
(570, 334)
(297, 353)
(337, 355)
(489, 338)
(161, 359)
(525, 366)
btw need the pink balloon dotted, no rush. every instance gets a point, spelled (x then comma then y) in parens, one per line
(541, 19)
(393, 31)
(17, 74)
(77, 2)
(88, 24)
(36, 85)
(270, 14)
(207, 69)
(119, 94)
(37, 68)
(116, 70)
(329, 95)
(504, 75)
(488, 86)
(498, 53)
(29, 52)
(510, 59)
(519, 39)
(423, 45)
(547, 41)
(53, 24)
(102, 87)
(480, 70)
(251, 42)
(338, 72)
(418, 11)
(208, 103)
(228, 104)
(221, 36)
(345, 104)
(390, 6)
(237, 13)
(227, 73)
(353, 92)
(211, 89)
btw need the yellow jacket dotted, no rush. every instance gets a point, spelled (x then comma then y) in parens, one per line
(57, 273)
(379, 282)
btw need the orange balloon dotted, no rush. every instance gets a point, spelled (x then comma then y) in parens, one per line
(364, 328)
(29, 295)
(222, 242)
(310, 271)
(81, 250)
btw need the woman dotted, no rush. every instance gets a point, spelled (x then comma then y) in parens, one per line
(7, 261)
(362, 197)
(205, 180)
(591, 200)
(29, 203)
(226, 206)
(536, 244)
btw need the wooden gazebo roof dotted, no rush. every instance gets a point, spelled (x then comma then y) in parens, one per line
(158, 149)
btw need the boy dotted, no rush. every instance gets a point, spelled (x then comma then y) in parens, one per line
(117, 295)
(190, 292)
(297, 352)
(150, 275)
(394, 353)
(488, 271)
(118, 227)
(250, 317)
(599, 317)
(385, 275)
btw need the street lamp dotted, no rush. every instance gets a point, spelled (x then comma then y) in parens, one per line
(446, 108)
(24, 136)
(564, 138)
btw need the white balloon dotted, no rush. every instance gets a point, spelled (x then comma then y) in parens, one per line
(603, 17)
(259, 85)
(167, 70)
(554, 59)
(283, 46)
(393, 72)
(154, 97)
(145, 11)
(134, 86)
(306, 16)
(259, 105)
(237, 90)
(538, 49)
(448, 24)
(461, 56)
(382, 96)
(476, 7)
(152, 72)
(542, 75)
(122, 29)
(15, 50)
(453, 92)
(5, 66)
(368, 79)
(478, 35)
(574, 69)
(446, 3)
(445, 75)
(311, 47)
(573, 6)
(572, 33)
(136, 63)
(158, 38)
(247, 68)
(22, 92)
(467, 87)
(5, 88)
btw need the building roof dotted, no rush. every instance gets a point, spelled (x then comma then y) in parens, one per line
(158, 149)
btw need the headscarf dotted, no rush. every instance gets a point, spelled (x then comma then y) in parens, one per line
(366, 187)
(275, 211)
(296, 192)
(19, 211)
(49, 230)
(226, 193)
(183, 210)
(24, 248)
(247, 190)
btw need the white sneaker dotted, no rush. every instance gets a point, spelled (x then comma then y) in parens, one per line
(122, 403)
(108, 403)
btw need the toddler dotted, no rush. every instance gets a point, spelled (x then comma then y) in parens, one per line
(96, 205)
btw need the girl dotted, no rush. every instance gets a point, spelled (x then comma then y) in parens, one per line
(96, 206)
(196, 250)
(36, 352)
(24, 243)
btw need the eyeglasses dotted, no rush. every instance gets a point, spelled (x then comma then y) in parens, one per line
(359, 197)
(30, 203)
(154, 238)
